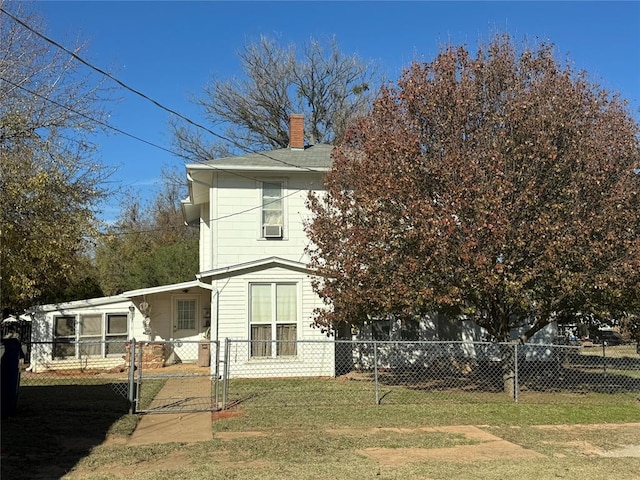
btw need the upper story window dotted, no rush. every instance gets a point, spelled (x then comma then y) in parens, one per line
(272, 210)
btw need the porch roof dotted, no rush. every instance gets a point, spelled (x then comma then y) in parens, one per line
(166, 288)
(90, 302)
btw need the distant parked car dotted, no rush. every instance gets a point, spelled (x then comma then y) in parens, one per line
(610, 337)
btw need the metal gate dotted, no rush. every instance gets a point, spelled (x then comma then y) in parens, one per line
(174, 377)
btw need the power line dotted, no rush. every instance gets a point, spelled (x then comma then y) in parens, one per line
(222, 217)
(127, 134)
(106, 125)
(144, 96)
(122, 132)
(94, 120)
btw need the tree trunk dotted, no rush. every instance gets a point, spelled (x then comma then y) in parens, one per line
(508, 358)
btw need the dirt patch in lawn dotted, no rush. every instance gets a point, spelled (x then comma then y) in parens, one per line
(500, 450)
(224, 414)
(481, 446)
(590, 450)
(238, 435)
(488, 447)
(469, 432)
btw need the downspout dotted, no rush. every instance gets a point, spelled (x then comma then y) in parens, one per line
(217, 294)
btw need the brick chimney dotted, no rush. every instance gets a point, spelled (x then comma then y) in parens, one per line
(296, 131)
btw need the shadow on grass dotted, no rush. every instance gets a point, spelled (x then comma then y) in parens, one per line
(56, 426)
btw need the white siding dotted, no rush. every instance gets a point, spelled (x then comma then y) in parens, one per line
(233, 323)
(206, 238)
(42, 336)
(236, 233)
(161, 315)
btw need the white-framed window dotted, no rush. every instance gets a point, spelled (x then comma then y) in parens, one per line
(95, 335)
(91, 335)
(273, 318)
(272, 217)
(64, 337)
(116, 333)
(186, 309)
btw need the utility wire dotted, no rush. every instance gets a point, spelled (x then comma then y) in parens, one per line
(159, 105)
(222, 217)
(146, 97)
(122, 132)
(106, 125)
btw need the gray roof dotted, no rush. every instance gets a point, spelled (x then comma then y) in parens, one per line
(316, 157)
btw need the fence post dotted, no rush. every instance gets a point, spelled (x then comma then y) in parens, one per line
(217, 372)
(139, 369)
(604, 357)
(515, 372)
(132, 368)
(225, 374)
(375, 371)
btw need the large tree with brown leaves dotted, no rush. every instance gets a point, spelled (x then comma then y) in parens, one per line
(501, 186)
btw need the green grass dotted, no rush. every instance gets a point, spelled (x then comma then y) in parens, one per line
(316, 429)
(149, 389)
(591, 408)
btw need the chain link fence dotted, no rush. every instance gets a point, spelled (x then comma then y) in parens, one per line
(395, 372)
(86, 363)
(153, 376)
(201, 375)
(175, 376)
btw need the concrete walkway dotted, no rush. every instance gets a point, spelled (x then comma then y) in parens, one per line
(178, 393)
(172, 427)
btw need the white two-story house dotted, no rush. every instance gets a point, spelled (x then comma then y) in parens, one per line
(253, 286)
(251, 211)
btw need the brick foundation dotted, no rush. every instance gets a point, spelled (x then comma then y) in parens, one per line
(153, 354)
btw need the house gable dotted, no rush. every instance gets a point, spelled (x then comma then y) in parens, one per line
(255, 266)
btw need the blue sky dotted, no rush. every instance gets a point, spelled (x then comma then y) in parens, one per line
(170, 50)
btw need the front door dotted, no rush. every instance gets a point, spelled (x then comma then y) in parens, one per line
(186, 323)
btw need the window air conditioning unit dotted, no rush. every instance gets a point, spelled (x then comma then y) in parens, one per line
(272, 231)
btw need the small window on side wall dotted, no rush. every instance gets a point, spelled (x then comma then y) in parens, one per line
(380, 329)
(272, 210)
(64, 336)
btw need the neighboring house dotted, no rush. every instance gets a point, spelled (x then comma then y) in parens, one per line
(456, 339)
(254, 285)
